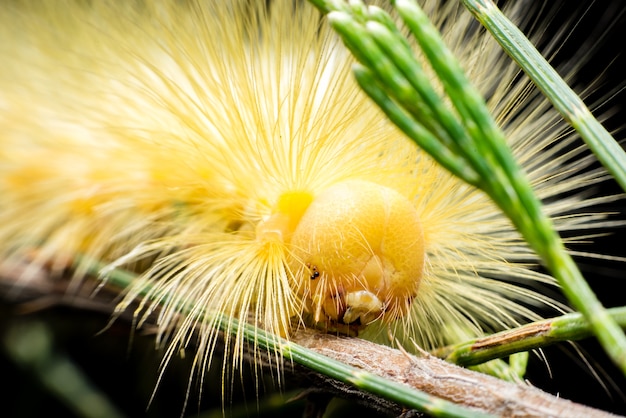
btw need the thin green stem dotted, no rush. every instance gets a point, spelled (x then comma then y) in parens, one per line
(569, 327)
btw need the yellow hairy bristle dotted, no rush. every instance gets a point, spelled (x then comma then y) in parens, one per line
(223, 152)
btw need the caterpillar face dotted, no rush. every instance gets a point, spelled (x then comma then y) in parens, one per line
(356, 252)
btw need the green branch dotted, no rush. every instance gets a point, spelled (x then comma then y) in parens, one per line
(569, 327)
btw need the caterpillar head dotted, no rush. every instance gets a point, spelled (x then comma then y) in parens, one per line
(357, 253)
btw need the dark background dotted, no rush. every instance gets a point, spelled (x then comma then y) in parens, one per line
(126, 372)
(602, 30)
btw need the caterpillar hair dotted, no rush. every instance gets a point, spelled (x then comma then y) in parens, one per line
(223, 153)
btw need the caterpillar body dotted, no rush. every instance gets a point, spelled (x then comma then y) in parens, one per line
(223, 152)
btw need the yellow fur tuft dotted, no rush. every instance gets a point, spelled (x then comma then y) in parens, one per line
(223, 150)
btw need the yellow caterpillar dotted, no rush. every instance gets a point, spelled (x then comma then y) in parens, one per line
(223, 151)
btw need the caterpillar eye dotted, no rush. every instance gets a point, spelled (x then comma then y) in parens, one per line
(314, 273)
